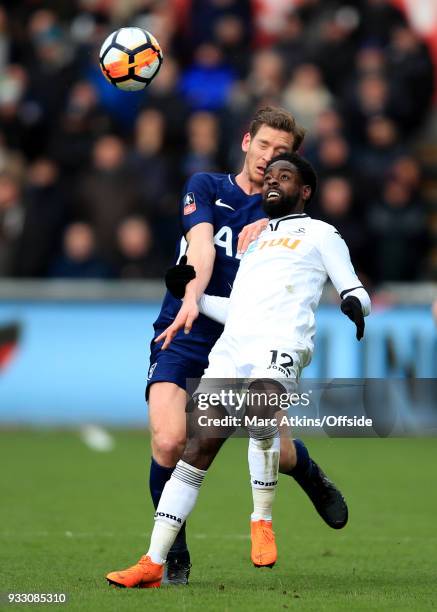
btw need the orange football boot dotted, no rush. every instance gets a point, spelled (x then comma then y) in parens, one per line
(145, 575)
(264, 552)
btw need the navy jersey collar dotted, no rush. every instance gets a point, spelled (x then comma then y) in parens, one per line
(233, 182)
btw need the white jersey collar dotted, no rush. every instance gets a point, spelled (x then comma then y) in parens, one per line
(274, 223)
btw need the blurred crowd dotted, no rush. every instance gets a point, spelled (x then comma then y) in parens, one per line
(91, 177)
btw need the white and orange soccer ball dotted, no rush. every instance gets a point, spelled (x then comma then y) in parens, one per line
(130, 58)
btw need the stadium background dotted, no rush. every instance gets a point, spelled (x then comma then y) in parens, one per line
(90, 182)
(91, 179)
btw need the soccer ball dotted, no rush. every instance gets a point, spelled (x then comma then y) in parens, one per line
(130, 58)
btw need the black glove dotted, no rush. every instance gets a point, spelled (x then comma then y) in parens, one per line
(351, 307)
(178, 277)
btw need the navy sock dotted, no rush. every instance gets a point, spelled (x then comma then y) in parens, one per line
(159, 475)
(302, 469)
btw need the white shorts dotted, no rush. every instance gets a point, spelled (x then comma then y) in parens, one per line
(254, 358)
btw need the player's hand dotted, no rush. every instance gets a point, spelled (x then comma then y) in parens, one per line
(249, 233)
(351, 307)
(178, 277)
(187, 314)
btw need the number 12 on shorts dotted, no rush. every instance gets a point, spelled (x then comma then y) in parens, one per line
(285, 361)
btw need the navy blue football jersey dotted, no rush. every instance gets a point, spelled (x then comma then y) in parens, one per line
(216, 199)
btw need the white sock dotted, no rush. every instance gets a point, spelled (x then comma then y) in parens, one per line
(263, 456)
(177, 501)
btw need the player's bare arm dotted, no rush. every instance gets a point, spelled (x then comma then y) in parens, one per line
(200, 255)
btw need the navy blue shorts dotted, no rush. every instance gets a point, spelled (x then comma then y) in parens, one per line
(185, 357)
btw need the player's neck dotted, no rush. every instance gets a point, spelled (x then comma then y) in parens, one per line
(299, 209)
(249, 187)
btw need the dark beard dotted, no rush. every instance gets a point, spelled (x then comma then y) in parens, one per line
(286, 206)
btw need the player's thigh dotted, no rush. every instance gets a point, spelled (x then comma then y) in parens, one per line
(169, 370)
(273, 377)
(219, 377)
(262, 394)
(283, 364)
(186, 358)
(167, 419)
(207, 431)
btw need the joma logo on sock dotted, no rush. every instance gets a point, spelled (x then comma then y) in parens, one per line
(265, 484)
(169, 516)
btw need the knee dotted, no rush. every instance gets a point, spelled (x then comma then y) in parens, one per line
(201, 452)
(263, 399)
(167, 448)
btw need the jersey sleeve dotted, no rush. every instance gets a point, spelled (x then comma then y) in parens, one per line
(337, 262)
(197, 201)
(214, 307)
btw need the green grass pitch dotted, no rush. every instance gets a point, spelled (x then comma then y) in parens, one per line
(69, 515)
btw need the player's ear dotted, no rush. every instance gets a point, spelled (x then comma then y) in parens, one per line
(245, 142)
(306, 193)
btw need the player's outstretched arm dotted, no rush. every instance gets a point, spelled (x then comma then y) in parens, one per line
(177, 277)
(352, 308)
(200, 255)
(336, 258)
(249, 233)
(214, 307)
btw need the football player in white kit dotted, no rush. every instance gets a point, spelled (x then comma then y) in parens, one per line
(268, 336)
(278, 286)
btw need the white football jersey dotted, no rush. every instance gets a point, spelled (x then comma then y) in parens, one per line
(280, 281)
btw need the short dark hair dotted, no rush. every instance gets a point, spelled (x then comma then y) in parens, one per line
(278, 119)
(305, 169)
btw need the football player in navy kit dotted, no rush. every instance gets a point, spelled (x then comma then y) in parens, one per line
(215, 208)
(243, 350)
